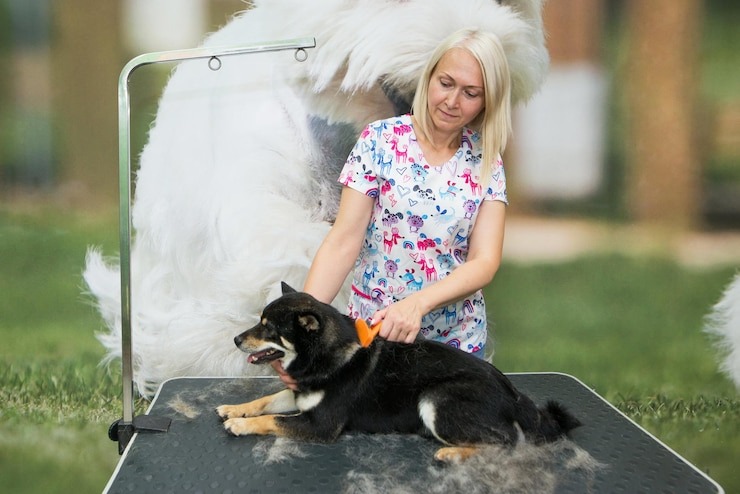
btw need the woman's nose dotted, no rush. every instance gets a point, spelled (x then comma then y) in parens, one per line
(452, 99)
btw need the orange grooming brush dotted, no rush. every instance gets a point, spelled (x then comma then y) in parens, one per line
(365, 333)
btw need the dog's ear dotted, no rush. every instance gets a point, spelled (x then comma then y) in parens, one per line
(286, 288)
(309, 322)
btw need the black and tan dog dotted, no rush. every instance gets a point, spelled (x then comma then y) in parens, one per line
(425, 387)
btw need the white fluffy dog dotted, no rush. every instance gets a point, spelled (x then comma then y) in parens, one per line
(723, 324)
(237, 183)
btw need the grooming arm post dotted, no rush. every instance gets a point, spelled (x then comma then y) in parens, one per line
(123, 429)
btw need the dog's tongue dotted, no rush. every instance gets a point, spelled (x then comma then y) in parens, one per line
(264, 356)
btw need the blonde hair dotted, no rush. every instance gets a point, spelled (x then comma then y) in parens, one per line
(493, 123)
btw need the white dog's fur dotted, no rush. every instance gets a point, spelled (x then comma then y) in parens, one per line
(237, 183)
(723, 324)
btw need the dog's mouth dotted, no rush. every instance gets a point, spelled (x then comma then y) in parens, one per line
(264, 356)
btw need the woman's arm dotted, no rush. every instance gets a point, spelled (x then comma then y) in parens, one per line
(341, 247)
(402, 320)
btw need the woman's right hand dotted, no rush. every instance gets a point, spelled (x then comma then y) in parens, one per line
(284, 376)
(401, 321)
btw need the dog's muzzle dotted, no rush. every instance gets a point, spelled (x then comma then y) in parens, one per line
(261, 356)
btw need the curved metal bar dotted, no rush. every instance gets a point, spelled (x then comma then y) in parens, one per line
(124, 177)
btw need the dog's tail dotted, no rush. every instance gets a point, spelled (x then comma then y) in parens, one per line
(555, 421)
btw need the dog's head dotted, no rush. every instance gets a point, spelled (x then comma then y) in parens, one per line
(298, 328)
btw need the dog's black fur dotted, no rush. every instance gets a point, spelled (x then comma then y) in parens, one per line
(424, 387)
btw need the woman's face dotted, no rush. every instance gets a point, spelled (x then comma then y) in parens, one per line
(456, 91)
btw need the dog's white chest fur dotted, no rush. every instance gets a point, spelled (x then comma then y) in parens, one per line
(307, 401)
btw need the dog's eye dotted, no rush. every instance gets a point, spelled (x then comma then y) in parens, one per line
(270, 327)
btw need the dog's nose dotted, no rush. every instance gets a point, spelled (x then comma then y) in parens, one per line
(238, 341)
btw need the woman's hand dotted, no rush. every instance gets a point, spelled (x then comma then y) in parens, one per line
(284, 376)
(401, 321)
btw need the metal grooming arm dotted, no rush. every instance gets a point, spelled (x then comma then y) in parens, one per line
(123, 429)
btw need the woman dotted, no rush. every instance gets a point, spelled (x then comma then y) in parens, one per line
(421, 215)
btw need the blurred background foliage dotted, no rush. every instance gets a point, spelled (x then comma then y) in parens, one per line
(58, 113)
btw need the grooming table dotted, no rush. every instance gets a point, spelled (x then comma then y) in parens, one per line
(609, 453)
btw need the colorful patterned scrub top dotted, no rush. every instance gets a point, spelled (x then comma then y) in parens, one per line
(419, 229)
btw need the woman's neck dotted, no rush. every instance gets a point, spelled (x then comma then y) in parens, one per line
(438, 142)
(438, 147)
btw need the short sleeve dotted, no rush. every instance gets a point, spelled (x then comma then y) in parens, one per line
(359, 170)
(497, 188)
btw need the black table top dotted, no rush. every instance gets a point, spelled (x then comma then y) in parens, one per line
(609, 453)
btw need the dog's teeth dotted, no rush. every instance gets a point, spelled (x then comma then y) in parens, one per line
(264, 355)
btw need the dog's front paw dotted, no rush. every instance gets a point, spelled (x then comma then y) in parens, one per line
(237, 426)
(230, 411)
(251, 409)
(254, 425)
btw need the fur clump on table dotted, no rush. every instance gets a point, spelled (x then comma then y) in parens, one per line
(383, 465)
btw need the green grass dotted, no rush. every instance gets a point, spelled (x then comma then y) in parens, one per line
(628, 327)
(56, 401)
(604, 315)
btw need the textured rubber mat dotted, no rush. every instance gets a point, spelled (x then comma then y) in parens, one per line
(609, 453)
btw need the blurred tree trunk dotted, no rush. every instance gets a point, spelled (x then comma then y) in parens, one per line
(574, 29)
(662, 82)
(87, 59)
